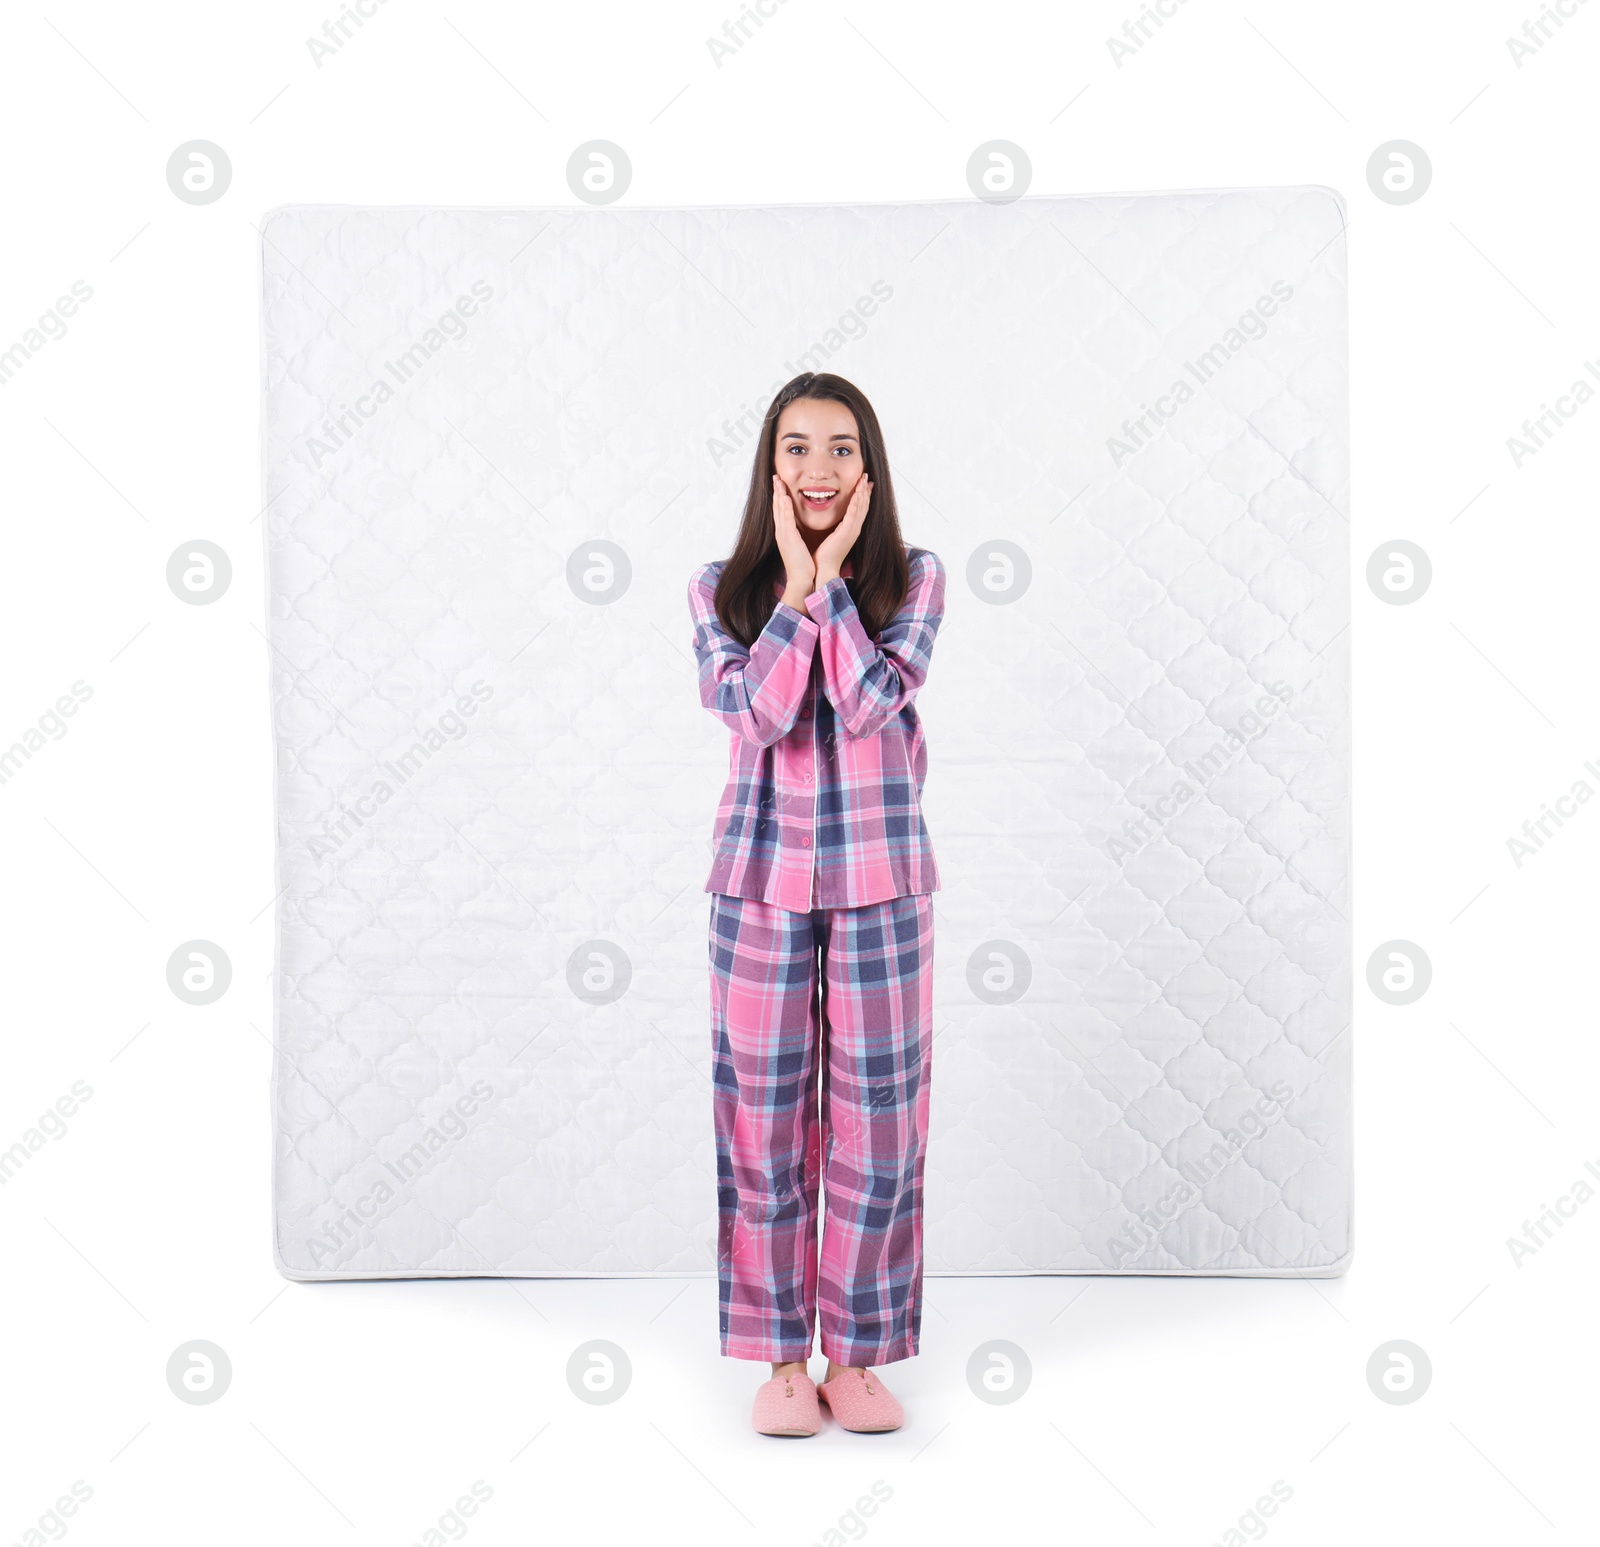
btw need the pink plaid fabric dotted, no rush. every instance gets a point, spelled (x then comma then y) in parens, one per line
(823, 805)
(822, 1036)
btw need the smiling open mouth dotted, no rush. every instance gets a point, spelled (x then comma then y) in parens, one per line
(819, 499)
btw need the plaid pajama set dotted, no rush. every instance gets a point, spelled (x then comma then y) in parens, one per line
(821, 956)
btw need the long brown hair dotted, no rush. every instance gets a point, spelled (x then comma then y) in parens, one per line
(881, 574)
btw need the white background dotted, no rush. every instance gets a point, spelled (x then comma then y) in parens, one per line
(1159, 1411)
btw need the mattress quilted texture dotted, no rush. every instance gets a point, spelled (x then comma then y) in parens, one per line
(496, 443)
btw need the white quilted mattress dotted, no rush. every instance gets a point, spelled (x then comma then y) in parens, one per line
(496, 443)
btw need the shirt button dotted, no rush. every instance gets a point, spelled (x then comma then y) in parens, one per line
(805, 714)
(806, 776)
(805, 841)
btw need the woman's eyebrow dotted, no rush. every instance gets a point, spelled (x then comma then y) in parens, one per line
(796, 435)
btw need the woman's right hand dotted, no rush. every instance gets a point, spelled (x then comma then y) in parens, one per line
(799, 567)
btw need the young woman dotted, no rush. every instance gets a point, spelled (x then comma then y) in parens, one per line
(812, 640)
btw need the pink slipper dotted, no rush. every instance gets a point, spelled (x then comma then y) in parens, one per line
(860, 1401)
(787, 1405)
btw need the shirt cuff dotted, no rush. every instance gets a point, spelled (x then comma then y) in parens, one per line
(803, 620)
(820, 602)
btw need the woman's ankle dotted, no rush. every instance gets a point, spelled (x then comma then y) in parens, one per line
(789, 1367)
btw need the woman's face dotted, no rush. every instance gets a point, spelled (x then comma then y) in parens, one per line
(818, 450)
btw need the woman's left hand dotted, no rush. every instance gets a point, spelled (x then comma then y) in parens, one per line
(835, 547)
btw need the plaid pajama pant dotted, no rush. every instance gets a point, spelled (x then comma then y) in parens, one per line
(835, 1004)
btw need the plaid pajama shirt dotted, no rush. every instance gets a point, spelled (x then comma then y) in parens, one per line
(823, 805)
(821, 954)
